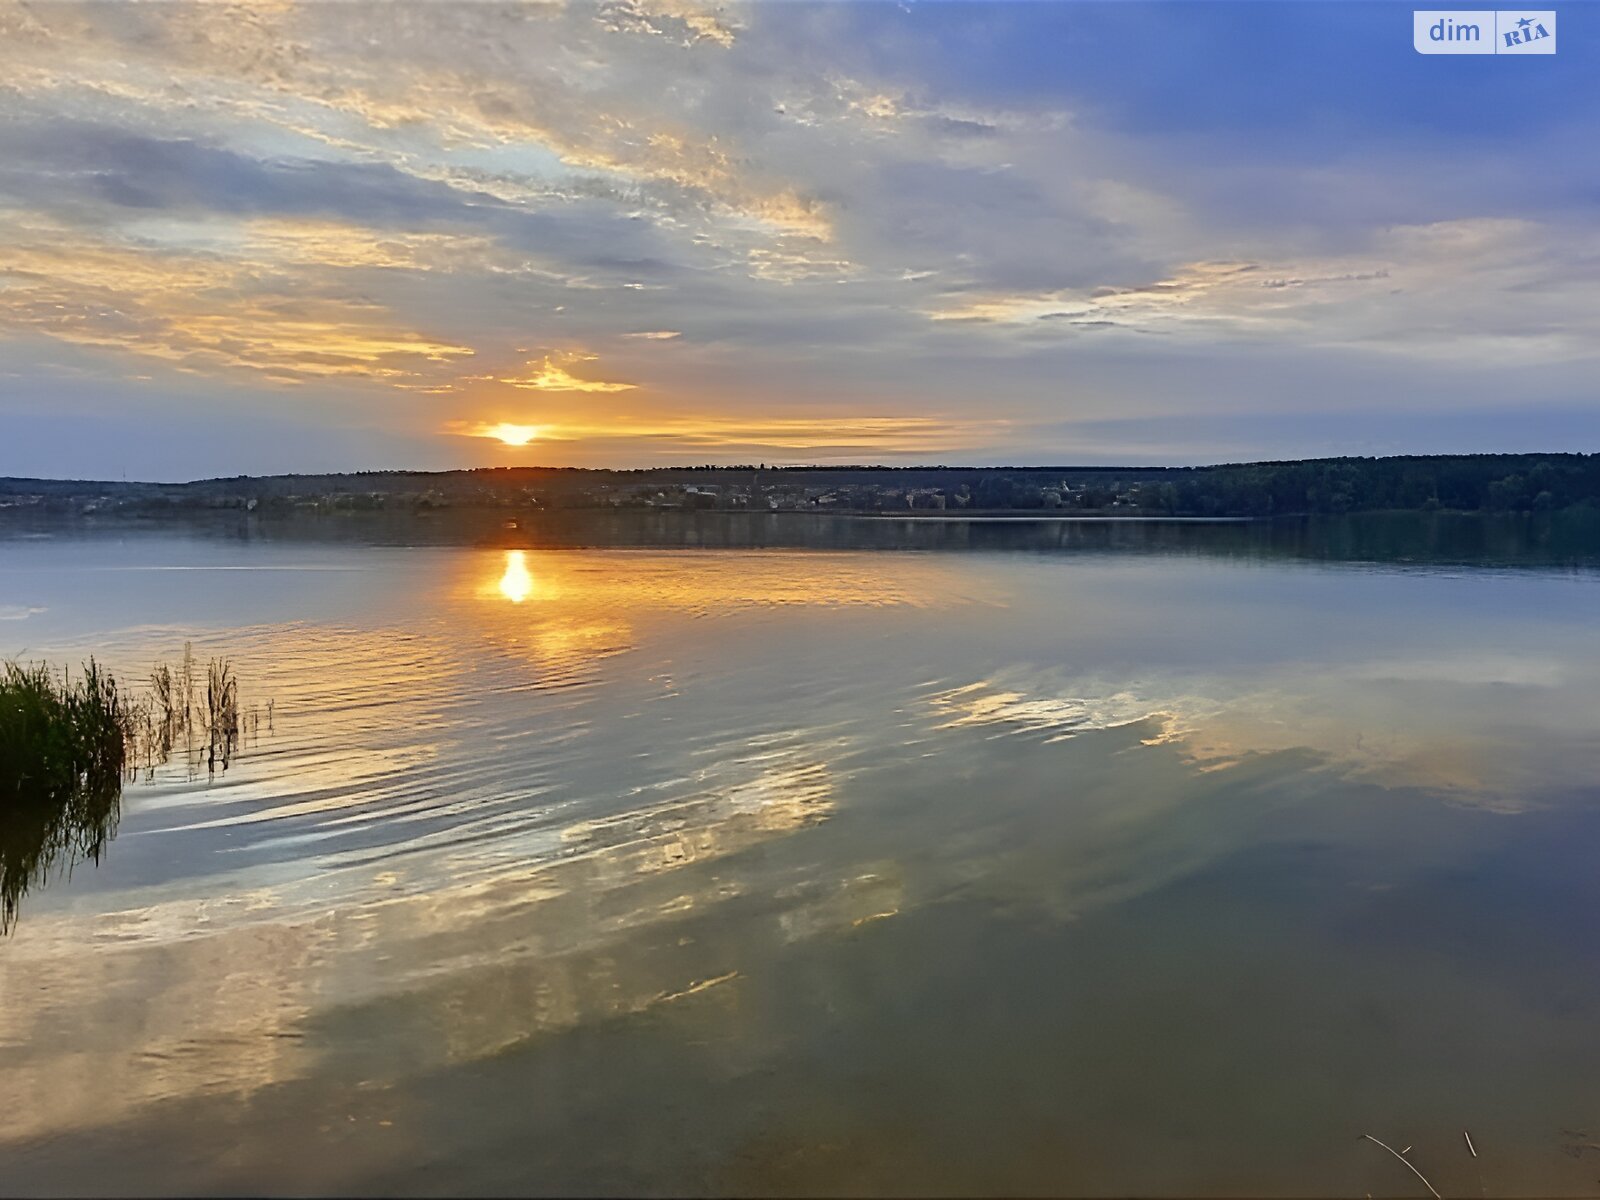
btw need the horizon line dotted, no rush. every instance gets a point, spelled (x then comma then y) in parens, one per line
(758, 467)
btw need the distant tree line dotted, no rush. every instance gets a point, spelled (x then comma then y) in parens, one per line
(1468, 482)
(1478, 482)
(1472, 483)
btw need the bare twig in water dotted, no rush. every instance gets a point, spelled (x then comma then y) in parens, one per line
(1409, 1167)
(222, 713)
(1470, 1146)
(185, 688)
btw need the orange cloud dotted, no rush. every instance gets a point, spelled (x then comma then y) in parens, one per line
(552, 375)
(700, 432)
(202, 310)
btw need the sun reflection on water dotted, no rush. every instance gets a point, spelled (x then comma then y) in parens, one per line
(699, 583)
(516, 583)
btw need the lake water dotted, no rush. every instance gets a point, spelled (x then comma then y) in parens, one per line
(766, 857)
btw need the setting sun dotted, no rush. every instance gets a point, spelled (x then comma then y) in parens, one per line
(512, 435)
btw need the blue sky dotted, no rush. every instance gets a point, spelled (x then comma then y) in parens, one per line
(297, 237)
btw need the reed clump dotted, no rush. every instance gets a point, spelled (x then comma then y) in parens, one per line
(68, 743)
(64, 749)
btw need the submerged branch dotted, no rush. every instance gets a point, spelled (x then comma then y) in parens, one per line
(1403, 1159)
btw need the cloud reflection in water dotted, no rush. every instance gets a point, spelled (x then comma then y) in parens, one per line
(515, 793)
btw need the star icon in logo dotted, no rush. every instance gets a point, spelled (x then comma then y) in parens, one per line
(1525, 22)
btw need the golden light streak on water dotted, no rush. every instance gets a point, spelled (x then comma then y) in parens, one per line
(516, 584)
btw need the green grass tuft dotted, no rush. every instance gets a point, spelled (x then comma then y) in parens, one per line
(64, 747)
(67, 745)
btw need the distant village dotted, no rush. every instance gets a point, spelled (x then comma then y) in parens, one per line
(730, 491)
(1462, 483)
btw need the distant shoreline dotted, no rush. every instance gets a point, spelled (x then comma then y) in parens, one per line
(1331, 486)
(972, 518)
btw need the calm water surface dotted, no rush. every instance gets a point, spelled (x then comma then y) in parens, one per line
(1160, 866)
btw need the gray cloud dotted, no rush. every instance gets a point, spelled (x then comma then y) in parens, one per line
(396, 209)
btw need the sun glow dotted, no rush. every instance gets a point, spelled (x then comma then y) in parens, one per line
(516, 584)
(512, 435)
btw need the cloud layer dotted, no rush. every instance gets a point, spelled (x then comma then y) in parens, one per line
(782, 231)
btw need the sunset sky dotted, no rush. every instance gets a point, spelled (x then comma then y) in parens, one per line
(336, 236)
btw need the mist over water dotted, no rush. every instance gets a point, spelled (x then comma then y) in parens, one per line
(709, 857)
